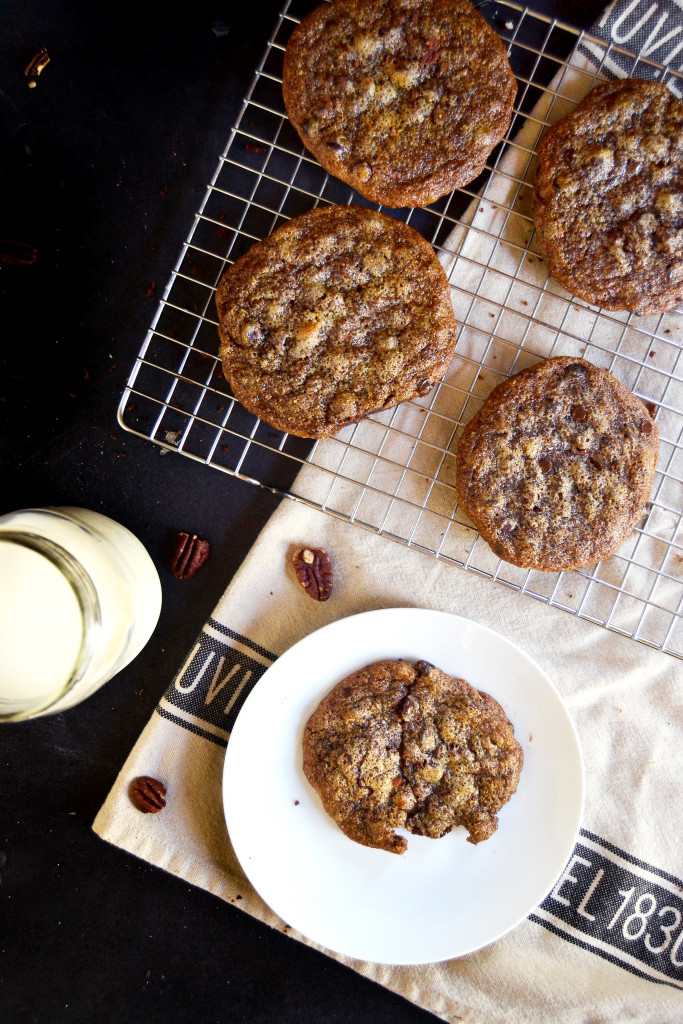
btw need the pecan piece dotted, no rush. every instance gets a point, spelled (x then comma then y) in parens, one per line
(646, 515)
(189, 555)
(36, 66)
(314, 572)
(363, 170)
(431, 51)
(147, 794)
(601, 460)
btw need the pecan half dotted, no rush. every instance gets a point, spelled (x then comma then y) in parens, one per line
(314, 572)
(189, 555)
(17, 254)
(147, 794)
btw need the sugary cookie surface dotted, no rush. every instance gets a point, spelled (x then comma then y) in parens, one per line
(403, 100)
(556, 468)
(403, 745)
(339, 313)
(608, 197)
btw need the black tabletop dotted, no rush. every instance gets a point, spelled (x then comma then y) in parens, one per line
(102, 167)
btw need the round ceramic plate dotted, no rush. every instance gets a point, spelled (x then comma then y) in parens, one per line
(443, 897)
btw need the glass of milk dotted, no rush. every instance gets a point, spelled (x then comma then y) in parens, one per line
(79, 599)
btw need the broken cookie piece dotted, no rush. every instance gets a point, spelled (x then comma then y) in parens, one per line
(403, 745)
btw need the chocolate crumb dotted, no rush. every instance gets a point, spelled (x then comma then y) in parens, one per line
(423, 668)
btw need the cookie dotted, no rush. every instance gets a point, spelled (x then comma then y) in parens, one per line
(556, 468)
(402, 100)
(608, 198)
(402, 745)
(339, 313)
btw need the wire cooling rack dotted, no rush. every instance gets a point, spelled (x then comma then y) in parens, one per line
(394, 472)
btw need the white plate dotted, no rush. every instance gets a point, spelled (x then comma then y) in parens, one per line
(443, 897)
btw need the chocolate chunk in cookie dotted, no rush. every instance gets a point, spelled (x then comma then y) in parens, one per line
(402, 100)
(397, 745)
(339, 313)
(557, 466)
(608, 197)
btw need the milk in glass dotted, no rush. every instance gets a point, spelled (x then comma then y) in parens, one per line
(79, 598)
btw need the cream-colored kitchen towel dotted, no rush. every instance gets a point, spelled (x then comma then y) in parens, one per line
(608, 945)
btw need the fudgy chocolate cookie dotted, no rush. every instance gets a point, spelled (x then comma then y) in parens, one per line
(339, 313)
(402, 99)
(402, 745)
(556, 468)
(608, 197)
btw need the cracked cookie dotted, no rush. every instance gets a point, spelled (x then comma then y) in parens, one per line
(608, 198)
(556, 468)
(402, 100)
(403, 745)
(339, 313)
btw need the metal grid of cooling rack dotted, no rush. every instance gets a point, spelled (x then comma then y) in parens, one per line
(394, 472)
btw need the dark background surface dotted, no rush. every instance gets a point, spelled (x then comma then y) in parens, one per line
(102, 167)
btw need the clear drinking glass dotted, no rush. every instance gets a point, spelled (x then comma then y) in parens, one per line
(79, 599)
